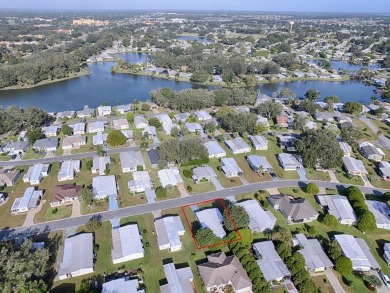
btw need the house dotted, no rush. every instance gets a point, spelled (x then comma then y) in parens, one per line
(126, 244)
(259, 220)
(324, 116)
(77, 257)
(150, 131)
(214, 149)
(29, 200)
(122, 285)
(346, 148)
(86, 112)
(342, 119)
(357, 250)
(179, 280)
(193, 127)
(64, 194)
(140, 122)
(238, 146)
(286, 142)
(141, 182)
(97, 126)
(338, 206)
(261, 99)
(290, 162)
(68, 170)
(259, 164)
(131, 161)
(99, 165)
(36, 173)
(164, 118)
(168, 231)
(354, 166)
(16, 148)
(262, 120)
(78, 128)
(381, 213)
(260, 143)
(370, 152)
(211, 218)
(129, 134)
(104, 111)
(50, 131)
(294, 210)
(203, 173)
(120, 124)
(270, 263)
(48, 145)
(222, 270)
(315, 258)
(8, 177)
(169, 177)
(99, 138)
(123, 109)
(202, 115)
(310, 125)
(181, 117)
(153, 157)
(230, 168)
(384, 170)
(386, 253)
(65, 114)
(104, 186)
(168, 127)
(281, 121)
(74, 141)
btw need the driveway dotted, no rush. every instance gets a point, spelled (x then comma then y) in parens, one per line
(332, 176)
(302, 174)
(76, 209)
(334, 281)
(369, 124)
(182, 190)
(150, 195)
(243, 180)
(366, 182)
(31, 214)
(383, 288)
(113, 206)
(216, 183)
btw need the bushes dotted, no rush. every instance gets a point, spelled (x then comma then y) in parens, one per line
(312, 230)
(189, 188)
(116, 138)
(187, 173)
(238, 215)
(312, 188)
(206, 237)
(89, 164)
(343, 265)
(330, 220)
(161, 192)
(197, 162)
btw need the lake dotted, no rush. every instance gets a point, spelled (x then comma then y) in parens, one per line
(103, 86)
(345, 65)
(203, 40)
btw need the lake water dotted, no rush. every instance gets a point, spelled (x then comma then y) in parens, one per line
(103, 86)
(347, 66)
(202, 40)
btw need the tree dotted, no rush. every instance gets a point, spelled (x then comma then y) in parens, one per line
(334, 250)
(161, 192)
(86, 195)
(343, 265)
(312, 95)
(66, 130)
(145, 107)
(155, 122)
(353, 107)
(308, 106)
(312, 188)
(319, 147)
(270, 109)
(372, 281)
(89, 164)
(130, 117)
(330, 220)
(239, 122)
(351, 135)
(206, 237)
(331, 99)
(312, 230)
(200, 76)
(238, 216)
(300, 122)
(33, 134)
(93, 224)
(116, 138)
(175, 131)
(366, 222)
(209, 127)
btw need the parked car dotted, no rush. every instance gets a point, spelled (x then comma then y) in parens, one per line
(385, 279)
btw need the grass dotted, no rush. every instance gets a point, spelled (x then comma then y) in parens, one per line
(4, 157)
(225, 182)
(30, 154)
(343, 177)
(367, 133)
(311, 174)
(249, 174)
(299, 192)
(62, 213)
(322, 283)
(196, 187)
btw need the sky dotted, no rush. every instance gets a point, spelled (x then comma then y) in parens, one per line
(377, 6)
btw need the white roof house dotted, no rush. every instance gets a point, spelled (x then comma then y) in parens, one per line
(193, 127)
(122, 285)
(259, 163)
(99, 164)
(50, 131)
(127, 244)
(354, 166)
(203, 173)
(74, 141)
(68, 170)
(78, 256)
(141, 182)
(86, 112)
(104, 110)
(384, 170)
(181, 117)
(16, 147)
(123, 109)
(202, 115)
(104, 186)
(214, 149)
(346, 148)
(120, 124)
(169, 177)
(259, 220)
(230, 167)
(289, 162)
(357, 250)
(140, 122)
(29, 200)
(95, 126)
(238, 146)
(211, 218)
(179, 280)
(269, 262)
(168, 127)
(150, 130)
(78, 128)
(315, 258)
(260, 143)
(164, 118)
(36, 173)
(381, 212)
(131, 160)
(46, 144)
(129, 134)
(99, 138)
(338, 206)
(386, 253)
(169, 230)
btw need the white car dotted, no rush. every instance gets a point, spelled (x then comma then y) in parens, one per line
(385, 279)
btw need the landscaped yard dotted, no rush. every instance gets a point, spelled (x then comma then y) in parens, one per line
(311, 174)
(343, 177)
(62, 212)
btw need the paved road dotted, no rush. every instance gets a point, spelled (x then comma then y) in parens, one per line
(369, 124)
(167, 204)
(68, 157)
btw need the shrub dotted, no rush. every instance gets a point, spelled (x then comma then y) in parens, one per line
(140, 168)
(295, 190)
(343, 265)
(366, 222)
(330, 220)
(161, 192)
(189, 188)
(312, 188)
(54, 211)
(96, 248)
(116, 138)
(187, 173)
(130, 117)
(89, 164)
(205, 237)
(312, 230)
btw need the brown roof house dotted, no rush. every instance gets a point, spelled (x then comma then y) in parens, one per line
(64, 194)
(8, 177)
(281, 121)
(294, 210)
(222, 270)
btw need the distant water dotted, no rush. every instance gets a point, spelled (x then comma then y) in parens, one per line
(202, 40)
(347, 66)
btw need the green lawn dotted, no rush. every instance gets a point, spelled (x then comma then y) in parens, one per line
(343, 177)
(311, 174)
(30, 154)
(225, 182)
(4, 157)
(62, 213)
(196, 187)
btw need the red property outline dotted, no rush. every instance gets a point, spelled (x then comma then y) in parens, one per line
(230, 218)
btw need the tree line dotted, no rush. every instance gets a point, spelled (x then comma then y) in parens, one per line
(15, 118)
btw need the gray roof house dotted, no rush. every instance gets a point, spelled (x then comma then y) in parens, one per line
(68, 170)
(46, 144)
(381, 213)
(131, 160)
(16, 147)
(179, 280)
(214, 149)
(127, 244)
(259, 220)
(97, 126)
(86, 112)
(260, 143)
(354, 166)
(202, 115)
(8, 177)
(261, 99)
(238, 146)
(140, 122)
(230, 168)
(211, 218)
(286, 142)
(338, 206)
(29, 200)
(294, 210)
(203, 173)
(193, 127)
(153, 157)
(78, 128)
(290, 162)
(258, 163)
(169, 177)
(141, 182)
(36, 173)
(181, 117)
(370, 152)
(315, 258)
(99, 138)
(384, 170)
(50, 131)
(99, 164)
(168, 231)
(122, 285)
(123, 109)
(269, 262)
(104, 186)
(346, 148)
(150, 130)
(386, 253)
(323, 116)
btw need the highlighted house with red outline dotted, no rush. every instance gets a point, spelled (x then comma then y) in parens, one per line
(211, 218)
